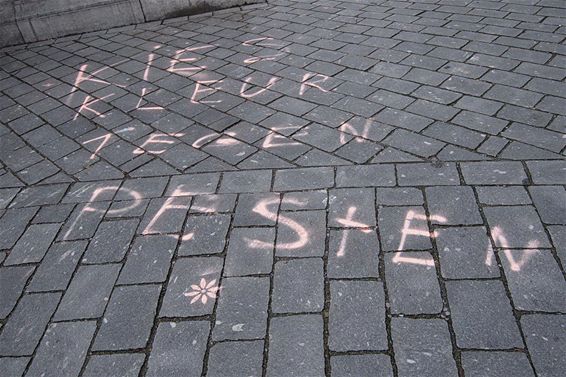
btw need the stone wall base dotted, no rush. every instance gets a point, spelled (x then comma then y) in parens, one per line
(25, 21)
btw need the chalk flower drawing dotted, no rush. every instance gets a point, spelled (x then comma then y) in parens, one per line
(202, 291)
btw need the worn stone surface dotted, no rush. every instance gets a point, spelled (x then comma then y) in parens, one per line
(287, 189)
(236, 358)
(178, 348)
(127, 321)
(423, 347)
(356, 318)
(298, 286)
(297, 346)
(62, 340)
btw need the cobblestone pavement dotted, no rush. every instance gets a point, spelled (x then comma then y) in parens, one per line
(305, 188)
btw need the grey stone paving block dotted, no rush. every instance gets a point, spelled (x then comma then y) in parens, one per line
(478, 105)
(250, 251)
(550, 202)
(480, 364)
(128, 319)
(493, 173)
(559, 124)
(204, 235)
(358, 106)
(283, 123)
(127, 208)
(246, 181)
(53, 213)
(296, 346)
(539, 137)
(403, 119)
(351, 208)
(547, 172)
(193, 184)
(88, 292)
(403, 228)
(425, 76)
(481, 315)
(298, 286)
(558, 235)
(148, 260)
(21, 334)
(413, 143)
(13, 224)
(62, 340)
(247, 132)
(39, 195)
(361, 365)
(357, 316)
(316, 157)
(22, 158)
(264, 159)
(165, 215)
(142, 188)
(398, 196)
(520, 151)
(56, 269)
(367, 175)
(513, 96)
(534, 279)
(353, 253)
(7, 179)
(390, 69)
(493, 145)
(480, 122)
(6, 196)
(496, 195)
(506, 78)
(257, 209)
(367, 128)
(83, 221)
(282, 146)
(546, 343)
(235, 359)
(304, 200)
(213, 203)
(426, 174)
(178, 349)
(292, 106)
(111, 241)
(525, 116)
(454, 135)
(13, 281)
(192, 288)
(359, 150)
(322, 137)
(116, 365)
(422, 347)
(303, 179)
(82, 192)
(516, 227)
(432, 110)
(14, 366)
(301, 234)
(453, 206)
(454, 153)
(463, 252)
(241, 312)
(412, 283)
(466, 86)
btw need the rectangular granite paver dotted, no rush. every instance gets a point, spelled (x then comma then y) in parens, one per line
(329, 188)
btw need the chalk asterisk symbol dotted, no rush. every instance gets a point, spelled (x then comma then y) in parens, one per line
(202, 291)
